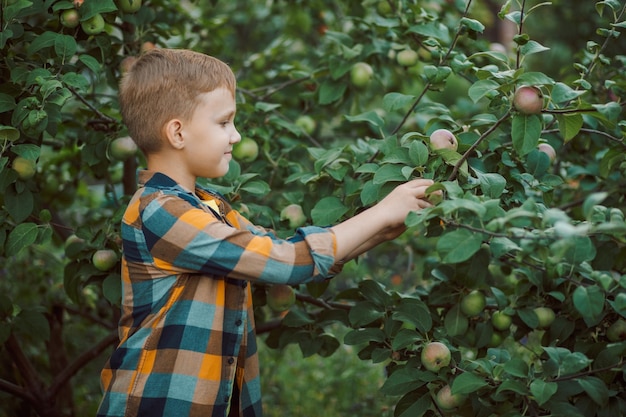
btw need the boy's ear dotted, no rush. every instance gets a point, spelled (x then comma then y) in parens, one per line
(173, 133)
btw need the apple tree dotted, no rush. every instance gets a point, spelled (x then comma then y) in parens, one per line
(507, 297)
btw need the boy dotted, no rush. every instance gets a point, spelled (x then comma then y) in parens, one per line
(187, 343)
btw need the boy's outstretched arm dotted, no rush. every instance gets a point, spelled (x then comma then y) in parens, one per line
(382, 222)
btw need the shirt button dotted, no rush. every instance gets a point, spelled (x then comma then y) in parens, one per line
(238, 323)
(231, 361)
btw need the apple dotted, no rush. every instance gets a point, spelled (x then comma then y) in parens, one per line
(617, 331)
(383, 8)
(435, 355)
(501, 321)
(122, 148)
(548, 150)
(361, 74)
(495, 340)
(25, 168)
(306, 123)
(448, 401)
(546, 316)
(528, 100)
(280, 297)
(93, 25)
(127, 63)
(246, 150)
(294, 214)
(407, 57)
(147, 46)
(129, 6)
(70, 18)
(443, 139)
(104, 259)
(473, 303)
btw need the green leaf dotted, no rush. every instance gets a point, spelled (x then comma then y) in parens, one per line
(610, 110)
(532, 47)
(65, 46)
(256, 187)
(525, 132)
(331, 91)
(512, 385)
(491, 184)
(543, 390)
(24, 234)
(91, 8)
(374, 292)
(562, 93)
(455, 322)
(596, 389)
(8, 133)
(481, 89)
(414, 312)
(418, 152)
(570, 125)
(432, 29)
(473, 24)
(112, 288)
(371, 117)
(90, 62)
(459, 245)
(389, 173)
(589, 301)
(44, 40)
(359, 336)
(404, 380)
(466, 383)
(328, 211)
(363, 313)
(7, 103)
(418, 408)
(517, 367)
(619, 304)
(397, 101)
(19, 205)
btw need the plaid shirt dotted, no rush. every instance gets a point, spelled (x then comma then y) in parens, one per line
(187, 341)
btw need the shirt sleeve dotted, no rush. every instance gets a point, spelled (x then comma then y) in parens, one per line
(182, 238)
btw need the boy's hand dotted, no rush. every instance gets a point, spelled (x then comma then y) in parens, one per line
(407, 197)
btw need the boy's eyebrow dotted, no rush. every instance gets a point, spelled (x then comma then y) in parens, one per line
(227, 114)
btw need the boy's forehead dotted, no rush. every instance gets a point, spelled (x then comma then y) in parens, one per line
(220, 100)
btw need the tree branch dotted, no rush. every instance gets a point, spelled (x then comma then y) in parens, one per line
(64, 376)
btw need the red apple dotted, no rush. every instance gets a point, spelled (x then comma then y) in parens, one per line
(548, 150)
(446, 400)
(443, 139)
(528, 100)
(435, 355)
(280, 297)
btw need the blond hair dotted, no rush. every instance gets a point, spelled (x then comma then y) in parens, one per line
(164, 84)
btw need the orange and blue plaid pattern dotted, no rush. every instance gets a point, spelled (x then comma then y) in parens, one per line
(187, 343)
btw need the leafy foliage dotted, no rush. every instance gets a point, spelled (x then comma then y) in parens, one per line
(541, 236)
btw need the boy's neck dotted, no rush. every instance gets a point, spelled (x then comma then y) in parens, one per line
(167, 164)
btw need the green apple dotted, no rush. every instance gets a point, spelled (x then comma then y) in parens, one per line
(294, 214)
(617, 331)
(443, 139)
(546, 316)
(93, 25)
(70, 18)
(473, 303)
(435, 355)
(129, 6)
(407, 57)
(528, 100)
(448, 401)
(501, 321)
(280, 297)
(104, 259)
(246, 150)
(361, 74)
(122, 148)
(24, 167)
(306, 123)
